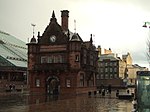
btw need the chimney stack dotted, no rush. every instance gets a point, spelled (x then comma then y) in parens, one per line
(64, 19)
(99, 51)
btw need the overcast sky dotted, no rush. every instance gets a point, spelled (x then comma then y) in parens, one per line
(115, 24)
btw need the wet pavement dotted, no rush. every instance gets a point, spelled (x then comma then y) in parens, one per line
(18, 102)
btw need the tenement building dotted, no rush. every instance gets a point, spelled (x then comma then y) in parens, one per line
(119, 72)
(111, 69)
(60, 62)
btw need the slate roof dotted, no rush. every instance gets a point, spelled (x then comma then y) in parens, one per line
(13, 52)
(108, 56)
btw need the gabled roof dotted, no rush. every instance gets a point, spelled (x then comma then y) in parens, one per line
(53, 29)
(13, 51)
(126, 56)
(76, 37)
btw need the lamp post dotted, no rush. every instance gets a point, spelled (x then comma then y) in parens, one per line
(147, 25)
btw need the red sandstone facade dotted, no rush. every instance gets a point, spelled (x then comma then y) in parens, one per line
(60, 62)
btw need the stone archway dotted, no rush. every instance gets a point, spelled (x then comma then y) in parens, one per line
(52, 85)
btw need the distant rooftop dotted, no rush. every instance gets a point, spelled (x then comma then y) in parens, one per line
(13, 51)
(111, 56)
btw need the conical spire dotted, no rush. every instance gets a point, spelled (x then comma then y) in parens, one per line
(53, 16)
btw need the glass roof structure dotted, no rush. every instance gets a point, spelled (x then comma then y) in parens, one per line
(13, 52)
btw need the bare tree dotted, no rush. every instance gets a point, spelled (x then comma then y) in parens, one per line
(148, 50)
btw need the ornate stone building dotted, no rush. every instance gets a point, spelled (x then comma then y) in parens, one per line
(60, 62)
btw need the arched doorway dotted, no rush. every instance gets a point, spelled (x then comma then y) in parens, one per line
(52, 85)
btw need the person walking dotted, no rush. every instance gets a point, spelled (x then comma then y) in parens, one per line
(13, 87)
(109, 88)
(10, 87)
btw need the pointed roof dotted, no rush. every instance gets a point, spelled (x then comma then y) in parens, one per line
(53, 25)
(53, 29)
(76, 37)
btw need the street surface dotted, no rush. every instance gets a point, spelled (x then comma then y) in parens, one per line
(82, 103)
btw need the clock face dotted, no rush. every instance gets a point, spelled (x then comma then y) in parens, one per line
(53, 38)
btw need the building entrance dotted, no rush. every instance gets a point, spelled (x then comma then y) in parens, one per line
(52, 85)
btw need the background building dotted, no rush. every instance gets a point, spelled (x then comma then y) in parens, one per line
(60, 62)
(132, 69)
(115, 70)
(109, 71)
(13, 62)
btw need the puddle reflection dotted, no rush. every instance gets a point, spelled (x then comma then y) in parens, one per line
(43, 103)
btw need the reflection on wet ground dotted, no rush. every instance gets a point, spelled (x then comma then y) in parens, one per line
(80, 103)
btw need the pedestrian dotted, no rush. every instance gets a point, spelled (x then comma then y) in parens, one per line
(13, 87)
(103, 92)
(101, 88)
(10, 87)
(128, 91)
(109, 88)
(22, 88)
(117, 93)
(134, 102)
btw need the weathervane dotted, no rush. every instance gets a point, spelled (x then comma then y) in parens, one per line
(33, 25)
(75, 26)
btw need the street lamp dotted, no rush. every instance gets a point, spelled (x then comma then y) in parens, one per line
(147, 25)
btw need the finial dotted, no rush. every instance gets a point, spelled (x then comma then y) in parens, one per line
(91, 40)
(53, 17)
(53, 14)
